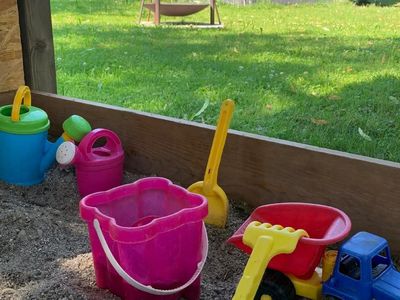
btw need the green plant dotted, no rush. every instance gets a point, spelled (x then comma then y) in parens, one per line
(311, 73)
(376, 2)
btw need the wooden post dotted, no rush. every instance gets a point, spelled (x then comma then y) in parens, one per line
(11, 66)
(37, 44)
(212, 12)
(157, 12)
(141, 10)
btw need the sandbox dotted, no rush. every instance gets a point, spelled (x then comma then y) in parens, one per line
(44, 246)
(45, 250)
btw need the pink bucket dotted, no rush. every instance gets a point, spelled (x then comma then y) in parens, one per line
(148, 239)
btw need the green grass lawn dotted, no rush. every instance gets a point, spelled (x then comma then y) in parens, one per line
(326, 74)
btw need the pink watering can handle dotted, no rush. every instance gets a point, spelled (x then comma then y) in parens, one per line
(148, 288)
(113, 143)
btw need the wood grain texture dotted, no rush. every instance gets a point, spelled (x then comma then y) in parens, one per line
(212, 12)
(11, 64)
(37, 44)
(157, 12)
(254, 169)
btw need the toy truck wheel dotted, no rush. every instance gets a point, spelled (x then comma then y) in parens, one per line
(276, 285)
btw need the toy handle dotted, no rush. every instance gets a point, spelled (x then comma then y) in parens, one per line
(113, 143)
(217, 147)
(23, 95)
(148, 288)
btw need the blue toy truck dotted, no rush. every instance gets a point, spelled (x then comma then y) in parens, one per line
(364, 270)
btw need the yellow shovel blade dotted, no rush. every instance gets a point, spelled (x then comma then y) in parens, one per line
(217, 203)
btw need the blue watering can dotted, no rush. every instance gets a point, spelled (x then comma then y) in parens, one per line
(25, 152)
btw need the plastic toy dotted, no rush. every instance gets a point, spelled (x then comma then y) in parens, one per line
(139, 234)
(97, 168)
(25, 152)
(217, 199)
(325, 226)
(266, 241)
(362, 269)
(294, 274)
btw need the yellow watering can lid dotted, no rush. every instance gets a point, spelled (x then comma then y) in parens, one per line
(23, 119)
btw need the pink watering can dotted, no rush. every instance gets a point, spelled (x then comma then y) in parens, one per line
(97, 168)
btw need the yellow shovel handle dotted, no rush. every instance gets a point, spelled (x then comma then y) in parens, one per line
(23, 94)
(214, 159)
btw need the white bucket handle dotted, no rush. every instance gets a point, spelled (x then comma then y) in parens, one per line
(148, 288)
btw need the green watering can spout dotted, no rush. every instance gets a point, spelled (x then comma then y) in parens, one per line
(75, 128)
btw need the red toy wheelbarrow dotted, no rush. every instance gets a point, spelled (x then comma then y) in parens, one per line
(325, 226)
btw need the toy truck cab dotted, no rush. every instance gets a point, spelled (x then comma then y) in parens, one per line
(363, 270)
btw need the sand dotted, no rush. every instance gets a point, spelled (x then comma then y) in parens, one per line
(45, 251)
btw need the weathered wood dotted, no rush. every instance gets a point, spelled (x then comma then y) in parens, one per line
(37, 44)
(6, 97)
(212, 12)
(157, 12)
(178, 10)
(11, 65)
(175, 9)
(254, 169)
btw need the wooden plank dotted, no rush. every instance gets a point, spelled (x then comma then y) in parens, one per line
(254, 169)
(37, 44)
(212, 12)
(157, 12)
(11, 65)
(6, 97)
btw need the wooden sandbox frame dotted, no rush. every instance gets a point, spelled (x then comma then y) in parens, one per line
(254, 169)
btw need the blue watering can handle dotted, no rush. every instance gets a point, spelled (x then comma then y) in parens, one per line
(148, 288)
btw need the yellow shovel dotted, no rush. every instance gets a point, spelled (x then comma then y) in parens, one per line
(217, 200)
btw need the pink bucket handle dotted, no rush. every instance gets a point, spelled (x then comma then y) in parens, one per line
(113, 143)
(148, 288)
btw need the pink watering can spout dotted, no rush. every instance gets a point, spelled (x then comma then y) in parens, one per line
(68, 154)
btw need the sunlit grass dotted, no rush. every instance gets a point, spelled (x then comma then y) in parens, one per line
(312, 73)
